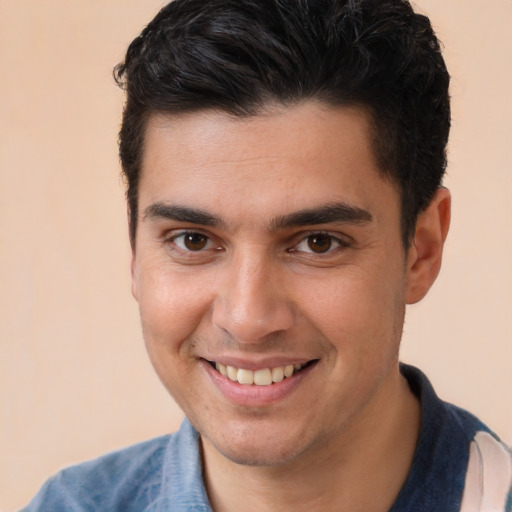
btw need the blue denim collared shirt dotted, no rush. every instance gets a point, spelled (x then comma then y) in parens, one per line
(455, 452)
(163, 474)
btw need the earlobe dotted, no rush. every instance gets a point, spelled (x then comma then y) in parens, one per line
(426, 251)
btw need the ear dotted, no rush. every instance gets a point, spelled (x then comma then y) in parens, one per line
(426, 250)
(134, 287)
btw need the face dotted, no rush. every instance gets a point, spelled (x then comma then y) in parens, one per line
(269, 248)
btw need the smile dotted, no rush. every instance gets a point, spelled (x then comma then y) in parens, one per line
(263, 377)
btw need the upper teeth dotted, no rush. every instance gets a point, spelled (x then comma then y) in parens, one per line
(263, 377)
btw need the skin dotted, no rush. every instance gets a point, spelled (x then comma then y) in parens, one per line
(258, 285)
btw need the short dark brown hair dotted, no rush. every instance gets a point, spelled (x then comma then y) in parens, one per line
(239, 55)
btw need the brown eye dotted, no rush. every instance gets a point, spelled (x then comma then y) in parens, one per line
(319, 243)
(191, 241)
(195, 241)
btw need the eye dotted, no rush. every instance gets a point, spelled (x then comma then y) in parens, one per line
(319, 243)
(192, 241)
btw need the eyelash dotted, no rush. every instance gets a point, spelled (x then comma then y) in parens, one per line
(304, 239)
(338, 242)
(183, 234)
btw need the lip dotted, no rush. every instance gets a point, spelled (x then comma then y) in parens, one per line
(256, 396)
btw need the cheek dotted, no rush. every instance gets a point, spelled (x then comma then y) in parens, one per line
(361, 312)
(171, 307)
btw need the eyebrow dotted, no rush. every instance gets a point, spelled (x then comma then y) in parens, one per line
(181, 214)
(325, 214)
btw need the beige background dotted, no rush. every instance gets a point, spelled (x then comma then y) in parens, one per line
(74, 377)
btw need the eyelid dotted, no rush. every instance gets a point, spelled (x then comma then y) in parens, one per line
(340, 241)
(171, 236)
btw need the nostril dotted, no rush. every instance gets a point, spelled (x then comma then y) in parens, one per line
(253, 321)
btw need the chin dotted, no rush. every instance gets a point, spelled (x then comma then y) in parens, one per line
(253, 448)
(259, 456)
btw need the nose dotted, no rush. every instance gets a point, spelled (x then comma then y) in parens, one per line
(252, 303)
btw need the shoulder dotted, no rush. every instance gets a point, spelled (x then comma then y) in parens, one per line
(158, 475)
(122, 480)
(488, 481)
(459, 461)
(488, 477)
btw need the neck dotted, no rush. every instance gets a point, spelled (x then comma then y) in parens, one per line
(362, 468)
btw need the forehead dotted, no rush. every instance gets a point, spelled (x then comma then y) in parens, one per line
(283, 158)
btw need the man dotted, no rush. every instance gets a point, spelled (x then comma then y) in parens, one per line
(284, 164)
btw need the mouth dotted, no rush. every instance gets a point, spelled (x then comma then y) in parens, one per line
(261, 377)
